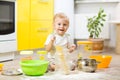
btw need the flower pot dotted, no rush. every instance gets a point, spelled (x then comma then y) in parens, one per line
(98, 44)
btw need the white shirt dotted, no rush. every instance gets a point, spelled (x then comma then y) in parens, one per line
(63, 41)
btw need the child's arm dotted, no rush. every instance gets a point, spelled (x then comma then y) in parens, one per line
(49, 46)
(70, 45)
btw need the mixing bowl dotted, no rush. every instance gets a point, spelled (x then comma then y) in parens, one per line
(103, 59)
(87, 65)
(34, 67)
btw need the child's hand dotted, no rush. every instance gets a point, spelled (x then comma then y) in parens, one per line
(72, 48)
(53, 38)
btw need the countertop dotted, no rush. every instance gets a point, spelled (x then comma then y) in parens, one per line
(110, 73)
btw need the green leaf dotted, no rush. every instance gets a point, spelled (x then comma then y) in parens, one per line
(89, 29)
(104, 15)
(103, 19)
(101, 24)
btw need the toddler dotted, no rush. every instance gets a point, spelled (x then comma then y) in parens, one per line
(59, 36)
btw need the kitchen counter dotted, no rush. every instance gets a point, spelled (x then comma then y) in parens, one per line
(111, 73)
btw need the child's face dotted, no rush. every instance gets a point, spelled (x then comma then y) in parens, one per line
(60, 26)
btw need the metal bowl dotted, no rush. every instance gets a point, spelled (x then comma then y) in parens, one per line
(87, 65)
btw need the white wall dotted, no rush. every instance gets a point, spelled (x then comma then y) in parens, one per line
(67, 7)
(70, 9)
(82, 8)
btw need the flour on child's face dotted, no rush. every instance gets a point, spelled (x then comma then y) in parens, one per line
(60, 26)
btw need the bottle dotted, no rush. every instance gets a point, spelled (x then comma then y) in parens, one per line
(42, 54)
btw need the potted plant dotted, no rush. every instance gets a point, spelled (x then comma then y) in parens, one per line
(94, 26)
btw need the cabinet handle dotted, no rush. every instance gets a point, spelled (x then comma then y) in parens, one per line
(42, 30)
(43, 1)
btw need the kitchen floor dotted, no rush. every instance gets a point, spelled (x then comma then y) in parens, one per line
(111, 73)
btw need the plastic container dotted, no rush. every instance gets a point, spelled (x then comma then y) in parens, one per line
(34, 67)
(84, 48)
(1, 66)
(103, 59)
(26, 55)
(42, 55)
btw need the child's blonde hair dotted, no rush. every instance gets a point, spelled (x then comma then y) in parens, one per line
(61, 15)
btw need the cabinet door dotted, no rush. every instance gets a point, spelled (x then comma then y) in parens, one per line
(41, 9)
(39, 33)
(23, 24)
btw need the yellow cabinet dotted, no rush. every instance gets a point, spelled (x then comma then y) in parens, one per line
(39, 33)
(34, 23)
(42, 9)
(23, 24)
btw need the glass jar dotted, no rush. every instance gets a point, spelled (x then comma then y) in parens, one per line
(26, 55)
(84, 48)
(42, 54)
(61, 61)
